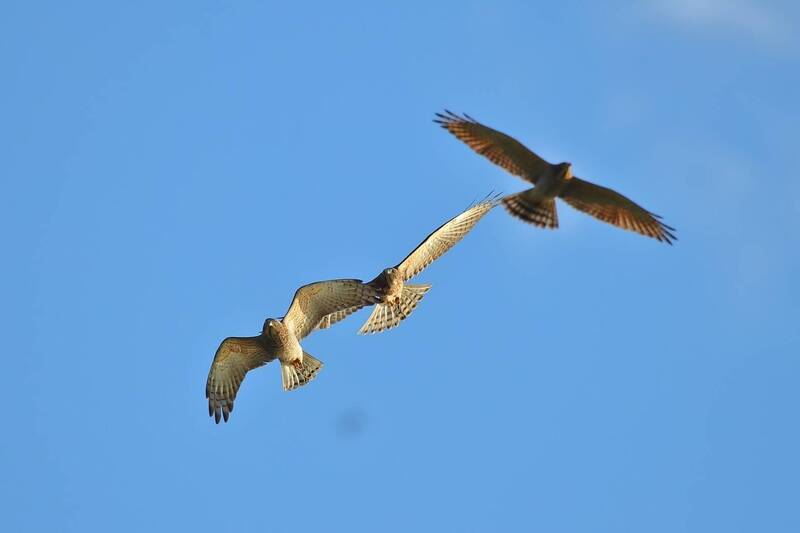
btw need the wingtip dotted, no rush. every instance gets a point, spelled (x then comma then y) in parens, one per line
(449, 116)
(666, 237)
(493, 198)
(667, 233)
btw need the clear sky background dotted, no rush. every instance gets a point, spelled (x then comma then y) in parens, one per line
(173, 171)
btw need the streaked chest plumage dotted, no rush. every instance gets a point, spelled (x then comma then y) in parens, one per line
(286, 344)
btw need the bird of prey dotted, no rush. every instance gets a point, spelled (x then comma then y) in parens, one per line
(398, 299)
(537, 205)
(280, 339)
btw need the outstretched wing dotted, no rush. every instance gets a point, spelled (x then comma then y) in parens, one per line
(315, 301)
(610, 206)
(444, 238)
(235, 357)
(497, 147)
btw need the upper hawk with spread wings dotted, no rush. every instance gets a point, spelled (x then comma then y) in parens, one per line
(399, 298)
(537, 205)
(280, 339)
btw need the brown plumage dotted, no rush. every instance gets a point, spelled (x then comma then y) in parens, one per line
(280, 339)
(537, 205)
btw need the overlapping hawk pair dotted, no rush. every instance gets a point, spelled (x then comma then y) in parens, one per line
(321, 304)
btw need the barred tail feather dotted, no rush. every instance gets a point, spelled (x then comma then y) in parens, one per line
(294, 377)
(387, 316)
(538, 211)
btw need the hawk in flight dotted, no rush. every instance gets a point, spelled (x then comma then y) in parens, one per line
(537, 205)
(398, 299)
(280, 339)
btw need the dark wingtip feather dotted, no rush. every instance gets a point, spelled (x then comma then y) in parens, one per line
(444, 119)
(667, 232)
(449, 118)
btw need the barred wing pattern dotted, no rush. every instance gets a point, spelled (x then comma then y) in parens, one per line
(611, 207)
(331, 319)
(499, 148)
(234, 358)
(444, 238)
(315, 301)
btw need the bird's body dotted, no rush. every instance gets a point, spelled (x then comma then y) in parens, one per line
(280, 339)
(399, 300)
(286, 346)
(390, 282)
(537, 205)
(552, 181)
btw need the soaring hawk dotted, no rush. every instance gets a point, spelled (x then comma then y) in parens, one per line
(537, 205)
(280, 339)
(399, 298)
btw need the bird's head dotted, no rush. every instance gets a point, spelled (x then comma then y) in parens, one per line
(389, 272)
(565, 170)
(271, 327)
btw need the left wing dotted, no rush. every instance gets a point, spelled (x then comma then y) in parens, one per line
(331, 319)
(444, 238)
(610, 206)
(315, 301)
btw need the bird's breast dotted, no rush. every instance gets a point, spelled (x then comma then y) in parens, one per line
(288, 348)
(395, 285)
(550, 185)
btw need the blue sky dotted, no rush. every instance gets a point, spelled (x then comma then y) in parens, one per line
(156, 155)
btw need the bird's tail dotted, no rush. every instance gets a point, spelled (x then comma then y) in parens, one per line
(532, 208)
(386, 316)
(297, 376)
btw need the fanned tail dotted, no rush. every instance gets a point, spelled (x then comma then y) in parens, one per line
(386, 316)
(532, 209)
(294, 377)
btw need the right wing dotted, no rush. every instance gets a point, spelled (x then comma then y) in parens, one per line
(497, 147)
(234, 358)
